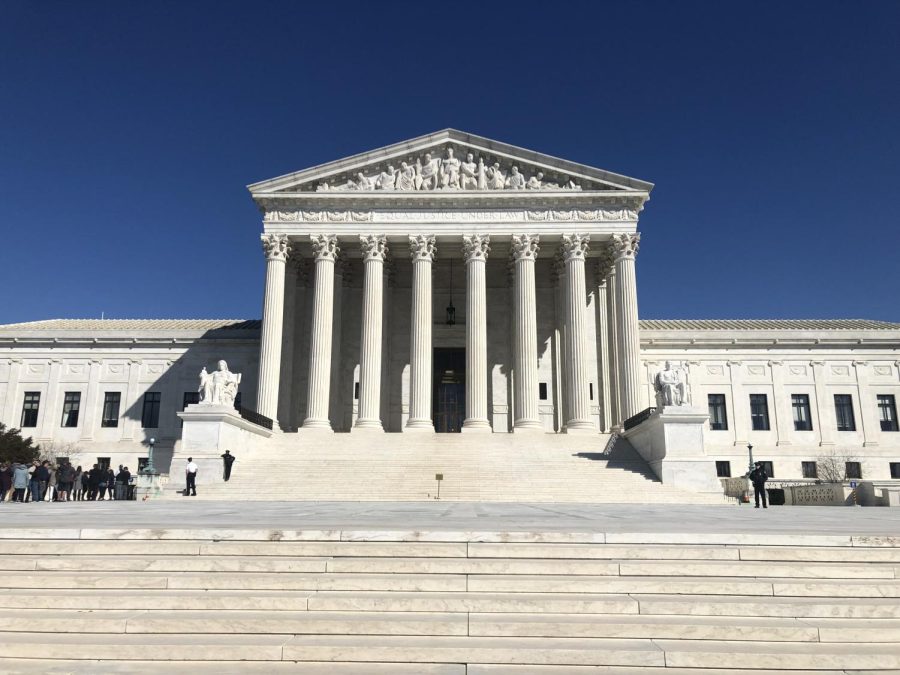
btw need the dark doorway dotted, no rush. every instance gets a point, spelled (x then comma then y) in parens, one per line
(449, 390)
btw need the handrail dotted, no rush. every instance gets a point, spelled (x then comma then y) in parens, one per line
(634, 420)
(256, 418)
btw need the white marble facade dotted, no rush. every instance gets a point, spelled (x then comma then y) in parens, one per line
(537, 257)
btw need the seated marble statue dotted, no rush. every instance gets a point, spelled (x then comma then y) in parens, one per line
(450, 171)
(515, 180)
(386, 179)
(469, 173)
(406, 177)
(427, 173)
(219, 387)
(669, 385)
(496, 180)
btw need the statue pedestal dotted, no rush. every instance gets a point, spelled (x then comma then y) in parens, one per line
(671, 441)
(208, 431)
(148, 486)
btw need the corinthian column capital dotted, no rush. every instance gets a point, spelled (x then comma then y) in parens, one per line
(374, 246)
(575, 246)
(422, 247)
(276, 246)
(604, 266)
(525, 246)
(626, 245)
(325, 246)
(476, 247)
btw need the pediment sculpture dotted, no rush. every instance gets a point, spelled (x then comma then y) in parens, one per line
(219, 387)
(670, 386)
(430, 172)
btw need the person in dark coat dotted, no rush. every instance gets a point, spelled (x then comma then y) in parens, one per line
(759, 477)
(227, 460)
(6, 481)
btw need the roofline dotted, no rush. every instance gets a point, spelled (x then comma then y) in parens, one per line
(336, 166)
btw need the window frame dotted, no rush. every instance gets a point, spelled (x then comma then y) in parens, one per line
(887, 412)
(71, 410)
(110, 399)
(895, 469)
(809, 469)
(717, 421)
(761, 415)
(801, 412)
(843, 407)
(152, 401)
(31, 405)
(857, 470)
(723, 468)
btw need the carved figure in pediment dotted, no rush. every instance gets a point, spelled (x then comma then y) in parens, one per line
(387, 179)
(362, 182)
(450, 171)
(570, 184)
(468, 173)
(536, 182)
(496, 180)
(322, 187)
(515, 180)
(406, 177)
(427, 172)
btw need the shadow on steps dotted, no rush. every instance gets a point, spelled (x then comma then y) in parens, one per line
(620, 454)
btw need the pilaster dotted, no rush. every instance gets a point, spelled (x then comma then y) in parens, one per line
(93, 410)
(867, 405)
(781, 405)
(825, 418)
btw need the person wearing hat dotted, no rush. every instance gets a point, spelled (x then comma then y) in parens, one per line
(759, 477)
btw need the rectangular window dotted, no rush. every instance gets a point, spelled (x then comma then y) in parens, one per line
(542, 391)
(853, 470)
(718, 417)
(887, 412)
(190, 398)
(895, 469)
(769, 469)
(759, 412)
(723, 469)
(356, 391)
(591, 390)
(142, 463)
(843, 412)
(802, 419)
(103, 462)
(150, 413)
(71, 404)
(810, 470)
(30, 409)
(111, 402)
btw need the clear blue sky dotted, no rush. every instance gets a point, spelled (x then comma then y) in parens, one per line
(129, 130)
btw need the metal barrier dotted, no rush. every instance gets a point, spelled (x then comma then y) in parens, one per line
(634, 420)
(256, 418)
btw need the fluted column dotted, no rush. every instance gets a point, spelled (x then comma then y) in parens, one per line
(277, 248)
(476, 249)
(604, 264)
(574, 248)
(625, 247)
(525, 249)
(422, 251)
(373, 248)
(325, 251)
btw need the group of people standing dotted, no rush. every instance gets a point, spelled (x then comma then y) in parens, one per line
(49, 482)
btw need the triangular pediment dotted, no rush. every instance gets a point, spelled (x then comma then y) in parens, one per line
(449, 161)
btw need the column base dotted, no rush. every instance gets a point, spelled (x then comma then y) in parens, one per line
(477, 426)
(579, 427)
(419, 426)
(315, 425)
(530, 426)
(367, 425)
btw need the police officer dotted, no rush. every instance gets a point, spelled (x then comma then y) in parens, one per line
(759, 477)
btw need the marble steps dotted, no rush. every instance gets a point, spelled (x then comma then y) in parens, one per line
(657, 653)
(233, 564)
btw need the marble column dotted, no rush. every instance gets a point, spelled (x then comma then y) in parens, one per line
(276, 248)
(525, 249)
(627, 329)
(476, 249)
(560, 391)
(422, 251)
(603, 336)
(612, 345)
(574, 248)
(325, 252)
(374, 248)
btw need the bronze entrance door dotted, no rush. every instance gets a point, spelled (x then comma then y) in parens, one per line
(449, 389)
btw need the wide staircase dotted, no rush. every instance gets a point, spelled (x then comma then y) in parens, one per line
(485, 468)
(444, 603)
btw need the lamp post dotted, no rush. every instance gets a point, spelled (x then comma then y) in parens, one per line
(750, 451)
(149, 468)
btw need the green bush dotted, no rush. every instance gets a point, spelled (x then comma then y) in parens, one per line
(14, 448)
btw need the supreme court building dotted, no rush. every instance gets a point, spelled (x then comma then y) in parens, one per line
(452, 283)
